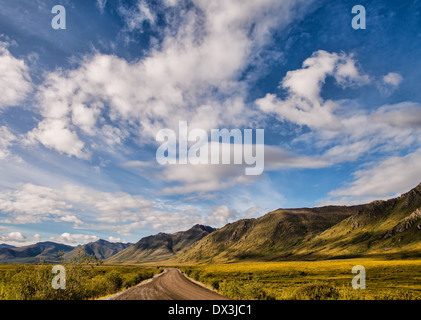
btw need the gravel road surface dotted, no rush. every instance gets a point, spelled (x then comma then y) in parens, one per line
(172, 284)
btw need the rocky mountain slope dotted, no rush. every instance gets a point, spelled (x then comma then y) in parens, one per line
(390, 228)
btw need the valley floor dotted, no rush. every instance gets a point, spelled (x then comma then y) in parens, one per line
(331, 279)
(301, 280)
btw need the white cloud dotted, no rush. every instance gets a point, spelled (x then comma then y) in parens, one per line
(72, 204)
(90, 209)
(389, 83)
(343, 133)
(13, 237)
(101, 5)
(402, 115)
(55, 134)
(114, 239)
(221, 215)
(72, 219)
(276, 158)
(304, 105)
(137, 16)
(192, 75)
(7, 139)
(393, 79)
(74, 239)
(200, 178)
(392, 176)
(14, 79)
(18, 239)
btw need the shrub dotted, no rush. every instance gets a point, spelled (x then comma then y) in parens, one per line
(244, 290)
(85, 279)
(114, 281)
(316, 291)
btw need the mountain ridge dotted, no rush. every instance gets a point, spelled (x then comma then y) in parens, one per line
(101, 249)
(387, 228)
(46, 251)
(50, 252)
(161, 246)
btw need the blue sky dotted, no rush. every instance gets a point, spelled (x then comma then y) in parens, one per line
(81, 107)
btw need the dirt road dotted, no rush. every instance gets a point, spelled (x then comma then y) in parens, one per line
(170, 285)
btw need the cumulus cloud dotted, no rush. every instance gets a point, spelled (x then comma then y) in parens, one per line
(389, 83)
(304, 105)
(221, 215)
(14, 78)
(86, 208)
(114, 239)
(13, 237)
(393, 79)
(55, 134)
(341, 132)
(72, 204)
(18, 239)
(74, 239)
(192, 75)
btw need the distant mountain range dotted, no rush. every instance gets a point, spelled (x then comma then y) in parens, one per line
(49, 252)
(7, 246)
(101, 249)
(389, 229)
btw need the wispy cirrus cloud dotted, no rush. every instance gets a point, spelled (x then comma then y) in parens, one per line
(400, 172)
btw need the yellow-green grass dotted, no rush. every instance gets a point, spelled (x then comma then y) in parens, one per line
(394, 279)
(83, 281)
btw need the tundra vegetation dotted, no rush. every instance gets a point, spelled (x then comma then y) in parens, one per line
(86, 278)
(312, 280)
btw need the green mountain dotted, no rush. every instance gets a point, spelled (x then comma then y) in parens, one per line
(101, 249)
(266, 237)
(161, 246)
(389, 228)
